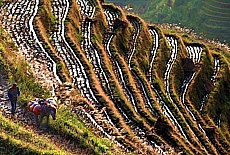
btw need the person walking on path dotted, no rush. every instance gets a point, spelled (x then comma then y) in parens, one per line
(13, 94)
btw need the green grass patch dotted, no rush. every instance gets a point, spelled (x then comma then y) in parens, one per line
(69, 126)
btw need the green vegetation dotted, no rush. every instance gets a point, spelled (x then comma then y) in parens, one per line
(208, 17)
(16, 138)
(69, 126)
(18, 71)
(69, 135)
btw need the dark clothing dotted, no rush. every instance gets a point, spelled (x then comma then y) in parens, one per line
(13, 94)
(42, 101)
(13, 106)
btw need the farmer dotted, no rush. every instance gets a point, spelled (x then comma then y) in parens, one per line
(13, 94)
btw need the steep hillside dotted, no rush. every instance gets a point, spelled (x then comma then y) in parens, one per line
(146, 88)
(207, 17)
(19, 134)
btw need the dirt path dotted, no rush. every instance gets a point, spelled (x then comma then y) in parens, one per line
(27, 119)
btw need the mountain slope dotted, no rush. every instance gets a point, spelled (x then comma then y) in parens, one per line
(19, 134)
(144, 87)
(209, 18)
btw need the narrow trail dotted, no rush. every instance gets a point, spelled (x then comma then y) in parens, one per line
(24, 36)
(27, 118)
(5, 105)
(114, 98)
(18, 21)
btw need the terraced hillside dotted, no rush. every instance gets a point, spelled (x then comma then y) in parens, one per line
(145, 88)
(217, 14)
(207, 17)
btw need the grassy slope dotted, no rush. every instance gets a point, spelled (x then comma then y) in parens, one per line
(207, 17)
(16, 137)
(73, 130)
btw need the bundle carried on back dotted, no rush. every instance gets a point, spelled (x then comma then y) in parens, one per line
(51, 102)
(34, 107)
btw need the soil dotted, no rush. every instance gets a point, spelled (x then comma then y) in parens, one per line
(27, 119)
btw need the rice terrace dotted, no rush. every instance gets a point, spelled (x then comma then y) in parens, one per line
(122, 85)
